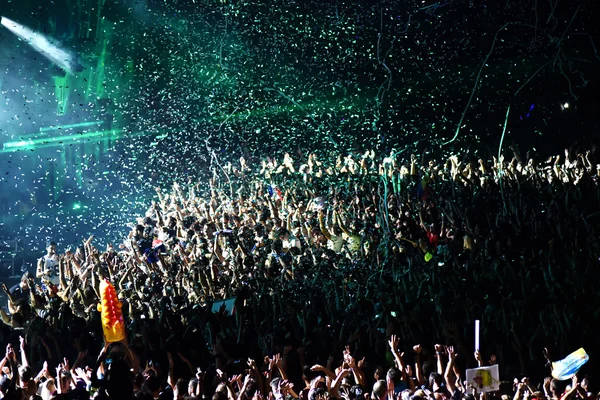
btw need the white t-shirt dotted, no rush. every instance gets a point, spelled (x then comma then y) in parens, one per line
(51, 269)
(336, 243)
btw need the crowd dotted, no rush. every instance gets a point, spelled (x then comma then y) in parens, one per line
(287, 279)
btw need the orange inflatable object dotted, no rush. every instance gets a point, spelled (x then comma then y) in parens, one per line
(110, 309)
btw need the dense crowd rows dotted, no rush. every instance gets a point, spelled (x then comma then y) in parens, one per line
(285, 265)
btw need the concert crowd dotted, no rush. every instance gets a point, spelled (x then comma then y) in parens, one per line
(352, 277)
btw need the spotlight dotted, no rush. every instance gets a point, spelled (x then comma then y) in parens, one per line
(42, 44)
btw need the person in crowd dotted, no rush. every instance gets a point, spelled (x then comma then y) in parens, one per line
(47, 268)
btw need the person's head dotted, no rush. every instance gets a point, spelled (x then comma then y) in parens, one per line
(25, 373)
(209, 230)
(379, 391)
(65, 379)
(336, 230)
(307, 374)
(393, 375)
(51, 249)
(379, 373)
(147, 221)
(192, 386)
(139, 231)
(283, 234)
(277, 246)
(148, 232)
(468, 242)
(275, 384)
(357, 393)
(435, 381)
(585, 384)
(180, 389)
(153, 384)
(555, 387)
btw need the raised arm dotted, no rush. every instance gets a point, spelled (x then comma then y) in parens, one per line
(171, 378)
(393, 343)
(478, 358)
(24, 361)
(439, 354)
(449, 369)
(418, 366)
(359, 377)
(324, 230)
(338, 220)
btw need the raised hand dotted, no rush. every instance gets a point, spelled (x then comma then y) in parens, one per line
(478, 357)
(44, 370)
(221, 375)
(348, 358)
(10, 353)
(344, 393)
(285, 386)
(394, 342)
(417, 349)
(315, 382)
(268, 362)
(199, 374)
(547, 382)
(451, 354)
(574, 381)
(546, 354)
(361, 363)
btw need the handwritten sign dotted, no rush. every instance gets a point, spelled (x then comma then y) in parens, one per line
(484, 379)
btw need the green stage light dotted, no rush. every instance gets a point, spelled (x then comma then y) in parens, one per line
(70, 126)
(76, 206)
(57, 140)
(20, 143)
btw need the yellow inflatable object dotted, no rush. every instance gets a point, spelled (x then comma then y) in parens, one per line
(110, 309)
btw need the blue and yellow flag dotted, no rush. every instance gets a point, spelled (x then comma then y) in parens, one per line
(568, 367)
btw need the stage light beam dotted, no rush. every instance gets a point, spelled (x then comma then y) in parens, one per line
(43, 45)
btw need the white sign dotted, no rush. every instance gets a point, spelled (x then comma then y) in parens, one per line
(476, 335)
(484, 379)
